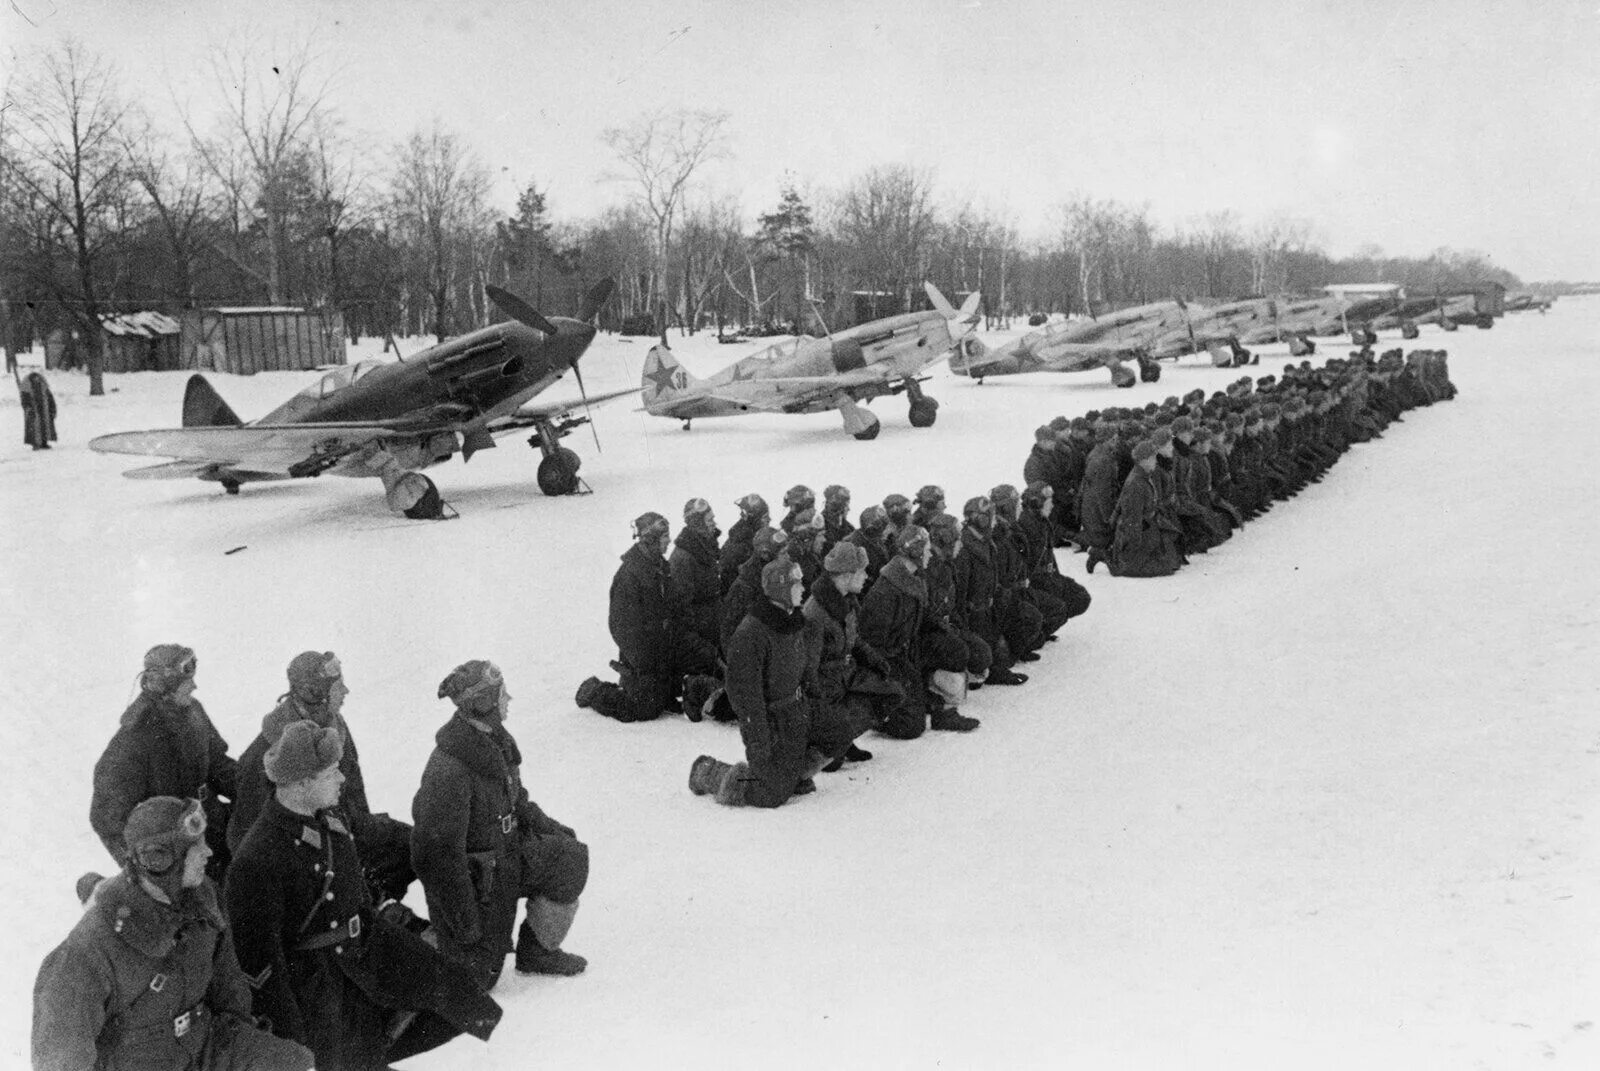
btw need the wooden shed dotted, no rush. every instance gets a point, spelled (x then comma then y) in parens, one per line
(271, 338)
(141, 342)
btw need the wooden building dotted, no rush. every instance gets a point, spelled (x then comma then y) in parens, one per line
(141, 342)
(273, 338)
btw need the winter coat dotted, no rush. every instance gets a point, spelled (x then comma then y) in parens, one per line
(1010, 556)
(643, 615)
(1145, 542)
(159, 750)
(836, 652)
(38, 412)
(1044, 463)
(744, 592)
(326, 970)
(469, 816)
(1097, 494)
(111, 995)
(1039, 535)
(767, 661)
(891, 614)
(976, 577)
(736, 550)
(696, 583)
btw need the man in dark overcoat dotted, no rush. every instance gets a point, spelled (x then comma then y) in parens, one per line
(38, 412)
(1146, 542)
(482, 847)
(977, 588)
(891, 622)
(753, 516)
(848, 683)
(317, 692)
(695, 570)
(767, 665)
(356, 987)
(1097, 493)
(165, 746)
(656, 650)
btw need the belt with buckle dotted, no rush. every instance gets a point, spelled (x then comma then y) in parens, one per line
(182, 1024)
(336, 935)
(508, 823)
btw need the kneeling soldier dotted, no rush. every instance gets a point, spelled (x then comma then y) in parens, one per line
(359, 989)
(148, 978)
(481, 846)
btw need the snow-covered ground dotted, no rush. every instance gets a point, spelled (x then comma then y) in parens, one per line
(1323, 800)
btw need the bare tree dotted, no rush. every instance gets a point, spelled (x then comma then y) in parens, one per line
(712, 240)
(661, 151)
(69, 174)
(1272, 241)
(886, 216)
(439, 199)
(269, 116)
(174, 185)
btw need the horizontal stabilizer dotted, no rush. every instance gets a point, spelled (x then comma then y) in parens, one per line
(203, 407)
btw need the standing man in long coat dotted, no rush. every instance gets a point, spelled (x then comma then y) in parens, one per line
(38, 411)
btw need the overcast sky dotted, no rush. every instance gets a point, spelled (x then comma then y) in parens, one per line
(1410, 125)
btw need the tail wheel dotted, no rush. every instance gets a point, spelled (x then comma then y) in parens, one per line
(1149, 371)
(558, 472)
(871, 432)
(924, 411)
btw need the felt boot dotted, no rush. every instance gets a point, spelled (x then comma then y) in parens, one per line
(539, 939)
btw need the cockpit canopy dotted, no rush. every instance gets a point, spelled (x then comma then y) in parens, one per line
(337, 379)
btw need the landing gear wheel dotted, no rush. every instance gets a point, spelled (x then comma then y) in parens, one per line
(869, 433)
(1149, 370)
(924, 411)
(414, 495)
(231, 486)
(558, 472)
(1122, 376)
(1485, 321)
(1409, 331)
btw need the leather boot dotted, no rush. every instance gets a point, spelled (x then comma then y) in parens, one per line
(951, 720)
(706, 774)
(539, 939)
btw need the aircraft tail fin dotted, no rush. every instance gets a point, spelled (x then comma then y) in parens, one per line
(203, 407)
(664, 378)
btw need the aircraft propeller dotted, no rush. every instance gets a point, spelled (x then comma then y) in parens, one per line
(522, 312)
(518, 309)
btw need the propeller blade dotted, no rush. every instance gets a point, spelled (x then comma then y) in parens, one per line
(518, 309)
(940, 302)
(598, 294)
(584, 394)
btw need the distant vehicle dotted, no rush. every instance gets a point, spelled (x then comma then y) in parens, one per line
(389, 420)
(813, 375)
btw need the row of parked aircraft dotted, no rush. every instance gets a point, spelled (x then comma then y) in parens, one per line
(391, 420)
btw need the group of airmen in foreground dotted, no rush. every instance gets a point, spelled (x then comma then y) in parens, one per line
(307, 957)
(1143, 489)
(808, 633)
(813, 631)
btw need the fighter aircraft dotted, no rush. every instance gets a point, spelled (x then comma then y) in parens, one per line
(1107, 341)
(390, 419)
(813, 375)
(1295, 320)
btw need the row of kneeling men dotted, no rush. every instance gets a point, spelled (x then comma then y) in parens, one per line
(307, 956)
(811, 632)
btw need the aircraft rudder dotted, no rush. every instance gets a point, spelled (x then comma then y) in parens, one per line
(663, 376)
(203, 407)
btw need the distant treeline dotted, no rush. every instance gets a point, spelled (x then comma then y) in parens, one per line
(271, 198)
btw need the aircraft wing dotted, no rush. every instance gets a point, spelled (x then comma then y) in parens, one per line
(784, 394)
(252, 447)
(545, 410)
